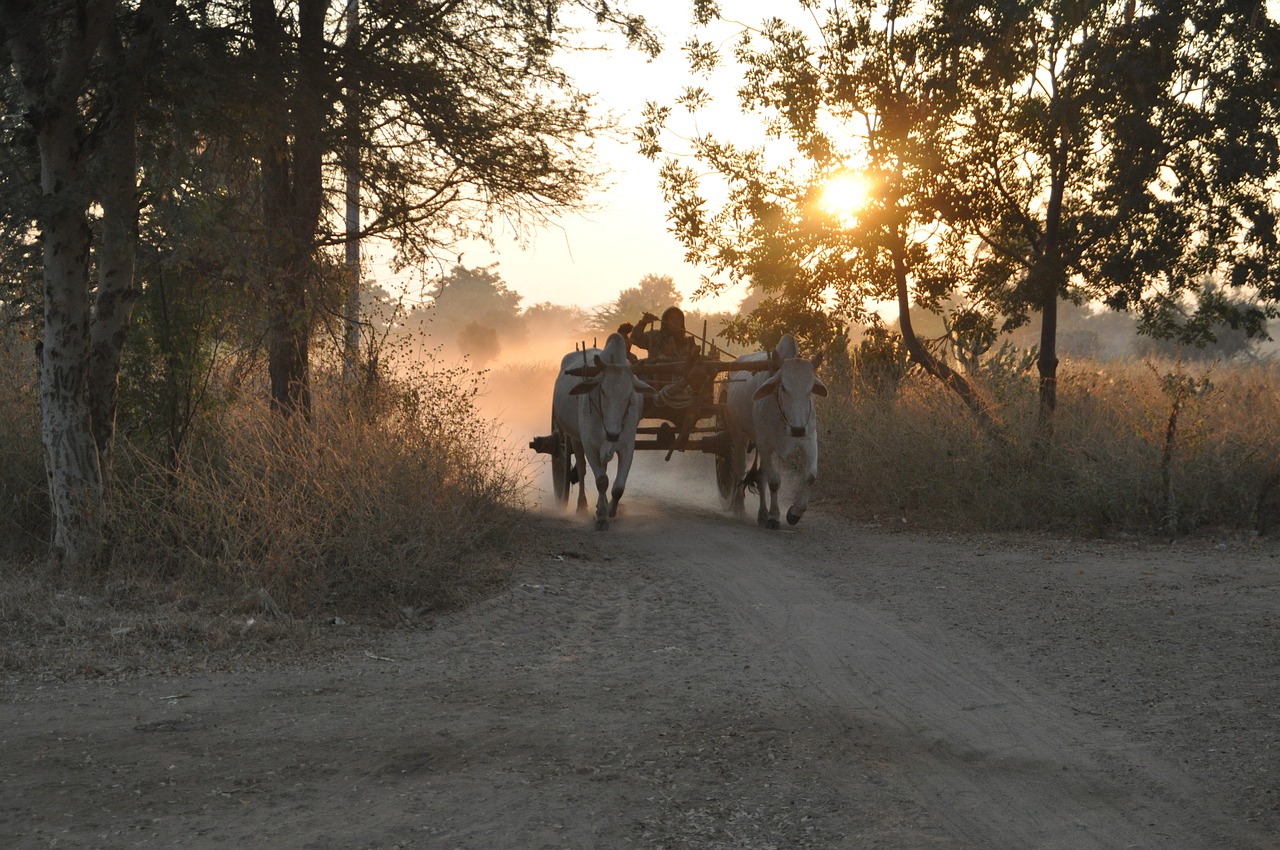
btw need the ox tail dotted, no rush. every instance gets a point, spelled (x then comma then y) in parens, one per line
(573, 474)
(751, 481)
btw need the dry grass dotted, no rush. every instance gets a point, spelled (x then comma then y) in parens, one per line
(381, 502)
(93, 628)
(404, 501)
(386, 507)
(919, 454)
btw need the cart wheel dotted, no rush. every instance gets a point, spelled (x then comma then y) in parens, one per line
(561, 461)
(724, 459)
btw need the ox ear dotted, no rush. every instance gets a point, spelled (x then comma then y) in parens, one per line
(767, 389)
(641, 387)
(584, 387)
(819, 388)
(817, 362)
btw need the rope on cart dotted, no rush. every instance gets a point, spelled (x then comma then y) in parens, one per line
(676, 395)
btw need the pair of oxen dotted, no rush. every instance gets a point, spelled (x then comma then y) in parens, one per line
(772, 409)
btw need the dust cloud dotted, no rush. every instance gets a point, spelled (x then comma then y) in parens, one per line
(513, 400)
(515, 396)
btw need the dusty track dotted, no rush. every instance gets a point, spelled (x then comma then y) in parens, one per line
(688, 680)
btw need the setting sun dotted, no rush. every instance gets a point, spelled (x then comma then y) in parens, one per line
(845, 192)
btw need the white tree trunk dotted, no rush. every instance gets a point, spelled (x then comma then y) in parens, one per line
(352, 168)
(51, 54)
(71, 455)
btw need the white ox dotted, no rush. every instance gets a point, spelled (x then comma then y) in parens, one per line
(775, 410)
(599, 415)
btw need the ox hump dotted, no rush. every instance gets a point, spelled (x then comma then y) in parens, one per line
(615, 350)
(787, 348)
(574, 359)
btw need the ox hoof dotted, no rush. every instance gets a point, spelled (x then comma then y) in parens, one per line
(793, 516)
(613, 511)
(773, 523)
(602, 524)
(761, 519)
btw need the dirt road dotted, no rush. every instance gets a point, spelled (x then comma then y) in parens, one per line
(686, 680)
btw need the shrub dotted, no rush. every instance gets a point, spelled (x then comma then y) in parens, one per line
(1109, 467)
(386, 500)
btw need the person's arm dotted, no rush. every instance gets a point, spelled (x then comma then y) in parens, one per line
(639, 336)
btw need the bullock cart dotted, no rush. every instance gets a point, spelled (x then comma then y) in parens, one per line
(686, 413)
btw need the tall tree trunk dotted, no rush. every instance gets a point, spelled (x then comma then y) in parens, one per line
(351, 110)
(1049, 283)
(71, 454)
(117, 253)
(292, 195)
(1047, 362)
(52, 77)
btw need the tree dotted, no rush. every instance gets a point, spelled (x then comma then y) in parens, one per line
(1014, 153)
(1119, 150)
(479, 342)
(77, 68)
(653, 294)
(464, 116)
(480, 295)
(820, 267)
(475, 309)
(554, 329)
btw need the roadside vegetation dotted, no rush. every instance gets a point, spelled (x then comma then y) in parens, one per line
(201, 415)
(392, 503)
(1148, 446)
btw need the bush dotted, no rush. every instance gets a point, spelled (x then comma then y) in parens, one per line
(388, 500)
(1109, 467)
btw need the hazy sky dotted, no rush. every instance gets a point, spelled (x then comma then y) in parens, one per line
(588, 259)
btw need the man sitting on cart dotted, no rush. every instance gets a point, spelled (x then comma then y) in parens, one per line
(669, 341)
(679, 392)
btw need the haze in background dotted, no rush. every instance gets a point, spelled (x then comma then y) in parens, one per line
(587, 259)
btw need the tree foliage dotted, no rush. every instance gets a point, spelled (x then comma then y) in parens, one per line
(476, 295)
(653, 294)
(474, 311)
(1016, 154)
(206, 138)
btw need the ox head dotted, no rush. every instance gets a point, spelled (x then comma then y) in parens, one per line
(614, 394)
(785, 350)
(793, 387)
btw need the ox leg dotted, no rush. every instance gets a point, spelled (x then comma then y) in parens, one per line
(762, 513)
(796, 511)
(620, 480)
(600, 474)
(602, 501)
(772, 475)
(581, 457)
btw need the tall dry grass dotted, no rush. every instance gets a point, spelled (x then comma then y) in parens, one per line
(1110, 465)
(393, 498)
(387, 500)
